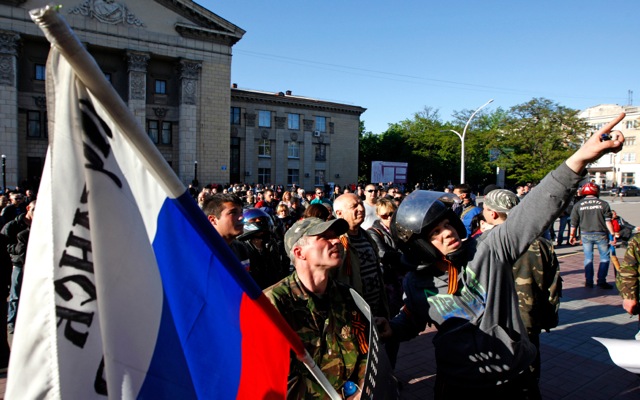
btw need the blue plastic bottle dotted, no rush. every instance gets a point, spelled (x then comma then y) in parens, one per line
(349, 388)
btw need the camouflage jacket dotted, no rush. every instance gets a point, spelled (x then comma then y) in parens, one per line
(531, 283)
(336, 339)
(627, 279)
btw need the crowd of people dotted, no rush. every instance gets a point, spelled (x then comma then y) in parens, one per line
(17, 209)
(474, 271)
(477, 272)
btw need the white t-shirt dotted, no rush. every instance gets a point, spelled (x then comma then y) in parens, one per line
(369, 216)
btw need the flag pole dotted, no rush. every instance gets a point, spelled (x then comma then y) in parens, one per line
(320, 377)
(60, 35)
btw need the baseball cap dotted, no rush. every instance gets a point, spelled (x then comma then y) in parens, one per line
(312, 227)
(501, 200)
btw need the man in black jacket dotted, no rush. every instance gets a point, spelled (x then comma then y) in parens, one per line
(17, 251)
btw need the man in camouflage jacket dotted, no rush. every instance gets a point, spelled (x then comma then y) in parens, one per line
(627, 279)
(320, 309)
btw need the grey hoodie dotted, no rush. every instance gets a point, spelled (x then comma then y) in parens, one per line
(481, 340)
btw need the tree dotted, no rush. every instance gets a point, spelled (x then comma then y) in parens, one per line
(534, 138)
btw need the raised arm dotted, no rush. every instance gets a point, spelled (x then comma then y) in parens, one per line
(595, 147)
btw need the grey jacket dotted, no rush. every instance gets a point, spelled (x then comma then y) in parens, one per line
(481, 340)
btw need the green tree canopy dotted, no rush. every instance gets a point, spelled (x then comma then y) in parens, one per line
(535, 137)
(527, 141)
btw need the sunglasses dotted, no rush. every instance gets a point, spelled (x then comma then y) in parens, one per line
(372, 190)
(387, 215)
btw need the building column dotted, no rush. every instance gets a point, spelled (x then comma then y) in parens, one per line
(9, 104)
(281, 160)
(137, 69)
(188, 135)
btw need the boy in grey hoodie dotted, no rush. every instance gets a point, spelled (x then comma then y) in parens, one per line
(466, 288)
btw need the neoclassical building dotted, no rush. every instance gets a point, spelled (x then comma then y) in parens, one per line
(170, 60)
(622, 168)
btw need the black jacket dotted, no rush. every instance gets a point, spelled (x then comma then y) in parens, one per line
(10, 231)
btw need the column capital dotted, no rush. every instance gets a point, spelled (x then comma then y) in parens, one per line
(9, 42)
(189, 69)
(137, 61)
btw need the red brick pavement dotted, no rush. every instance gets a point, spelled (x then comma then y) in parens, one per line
(574, 366)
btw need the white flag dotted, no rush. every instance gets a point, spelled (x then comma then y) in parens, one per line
(128, 290)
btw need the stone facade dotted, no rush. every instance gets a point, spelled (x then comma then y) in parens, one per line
(622, 168)
(170, 60)
(286, 139)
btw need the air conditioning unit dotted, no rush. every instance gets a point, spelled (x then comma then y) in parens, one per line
(316, 133)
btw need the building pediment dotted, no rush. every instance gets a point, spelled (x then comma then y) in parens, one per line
(185, 17)
(205, 25)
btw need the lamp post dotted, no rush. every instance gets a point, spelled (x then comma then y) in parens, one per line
(4, 173)
(462, 137)
(195, 173)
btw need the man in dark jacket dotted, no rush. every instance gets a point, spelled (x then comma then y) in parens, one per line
(17, 251)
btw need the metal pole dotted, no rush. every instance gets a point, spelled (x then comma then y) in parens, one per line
(462, 137)
(195, 173)
(4, 174)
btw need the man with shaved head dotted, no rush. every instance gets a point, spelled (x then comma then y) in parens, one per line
(361, 268)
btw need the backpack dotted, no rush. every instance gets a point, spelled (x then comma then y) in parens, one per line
(549, 293)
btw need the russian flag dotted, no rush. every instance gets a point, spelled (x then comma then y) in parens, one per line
(129, 292)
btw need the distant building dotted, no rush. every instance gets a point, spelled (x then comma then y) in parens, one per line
(622, 168)
(283, 138)
(170, 60)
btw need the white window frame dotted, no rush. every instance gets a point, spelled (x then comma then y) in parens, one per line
(293, 150)
(264, 148)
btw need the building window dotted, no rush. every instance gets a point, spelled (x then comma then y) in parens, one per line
(629, 157)
(40, 72)
(160, 132)
(293, 150)
(264, 119)
(321, 152)
(153, 131)
(36, 127)
(630, 141)
(165, 137)
(321, 124)
(235, 115)
(293, 176)
(319, 179)
(294, 121)
(264, 148)
(627, 178)
(264, 175)
(631, 124)
(161, 86)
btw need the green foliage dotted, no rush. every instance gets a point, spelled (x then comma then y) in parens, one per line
(529, 140)
(535, 137)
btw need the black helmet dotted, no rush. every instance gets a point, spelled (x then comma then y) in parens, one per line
(418, 214)
(255, 221)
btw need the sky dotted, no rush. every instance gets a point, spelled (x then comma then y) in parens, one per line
(395, 58)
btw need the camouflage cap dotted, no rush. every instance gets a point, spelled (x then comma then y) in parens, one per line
(313, 227)
(501, 200)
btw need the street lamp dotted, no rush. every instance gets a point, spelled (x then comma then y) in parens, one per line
(4, 173)
(464, 133)
(195, 173)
